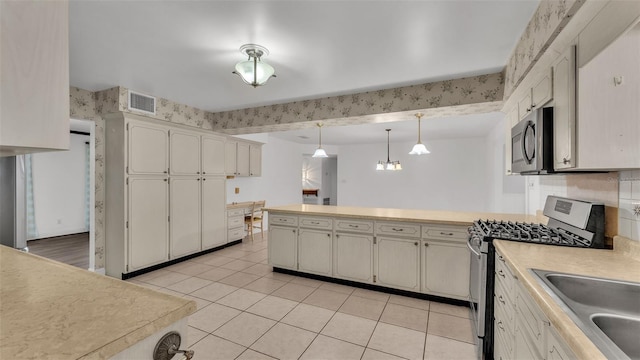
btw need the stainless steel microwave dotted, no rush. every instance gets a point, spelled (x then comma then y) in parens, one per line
(532, 143)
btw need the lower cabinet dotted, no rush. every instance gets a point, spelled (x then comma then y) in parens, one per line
(445, 268)
(184, 223)
(315, 251)
(353, 257)
(398, 263)
(148, 226)
(214, 207)
(283, 247)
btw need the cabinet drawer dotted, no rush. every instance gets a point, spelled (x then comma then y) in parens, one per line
(505, 277)
(316, 223)
(234, 222)
(235, 212)
(397, 229)
(532, 319)
(444, 232)
(354, 226)
(235, 234)
(287, 220)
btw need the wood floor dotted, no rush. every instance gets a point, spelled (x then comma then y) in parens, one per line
(69, 249)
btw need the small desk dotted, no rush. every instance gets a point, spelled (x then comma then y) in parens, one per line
(235, 219)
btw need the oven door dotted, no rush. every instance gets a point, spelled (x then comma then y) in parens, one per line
(478, 285)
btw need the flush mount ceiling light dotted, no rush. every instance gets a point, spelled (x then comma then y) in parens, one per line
(388, 165)
(419, 148)
(320, 153)
(253, 71)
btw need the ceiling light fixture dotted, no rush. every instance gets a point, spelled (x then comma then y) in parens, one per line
(388, 165)
(254, 71)
(320, 153)
(419, 148)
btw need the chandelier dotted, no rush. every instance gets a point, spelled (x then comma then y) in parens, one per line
(388, 165)
(254, 71)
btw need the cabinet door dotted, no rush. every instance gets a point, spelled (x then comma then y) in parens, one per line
(315, 252)
(524, 105)
(445, 269)
(148, 235)
(213, 155)
(564, 117)
(398, 263)
(353, 257)
(214, 212)
(609, 112)
(230, 155)
(255, 160)
(34, 91)
(184, 153)
(542, 92)
(148, 149)
(242, 158)
(557, 349)
(511, 120)
(523, 349)
(184, 224)
(283, 249)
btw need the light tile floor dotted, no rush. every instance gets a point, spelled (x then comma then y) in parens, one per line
(246, 311)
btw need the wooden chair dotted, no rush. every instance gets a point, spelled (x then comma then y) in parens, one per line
(251, 221)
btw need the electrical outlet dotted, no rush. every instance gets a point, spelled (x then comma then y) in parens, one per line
(237, 190)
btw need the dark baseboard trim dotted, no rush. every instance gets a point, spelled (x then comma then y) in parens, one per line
(175, 261)
(376, 287)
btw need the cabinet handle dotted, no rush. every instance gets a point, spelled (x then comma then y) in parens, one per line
(337, 236)
(415, 243)
(165, 180)
(528, 109)
(426, 244)
(566, 160)
(446, 234)
(198, 172)
(294, 231)
(354, 226)
(328, 235)
(501, 273)
(500, 325)
(533, 105)
(203, 179)
(501, 299)
(394, 229)
(315, 223)
(198, 179)
(204, 172)
(165, 171)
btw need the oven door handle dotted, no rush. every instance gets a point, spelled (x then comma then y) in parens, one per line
(472, 249)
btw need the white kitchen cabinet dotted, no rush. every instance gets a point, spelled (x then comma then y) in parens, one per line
(255, 160)
(536, 97)
(214, 205)
(315, 251)
(564, 111)
(523, 347)
(609, 110)
(398, 263)
(242, 159)
(184, 153)
(230, 157)
(213, 156)
(235, 225)
(450, 258)
(557, 349)
(148, 226)
(283, 247)
(184, 223)
(34, 76)
(148, 146)
(353, 257)
(510, 121)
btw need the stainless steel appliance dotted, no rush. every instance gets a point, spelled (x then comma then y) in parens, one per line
(13, 210)
(572, 222)
(532, 143)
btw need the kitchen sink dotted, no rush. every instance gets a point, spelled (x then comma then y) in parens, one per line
(607, 311)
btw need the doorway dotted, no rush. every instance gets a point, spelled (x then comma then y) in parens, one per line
(61, 218)
(320, 180)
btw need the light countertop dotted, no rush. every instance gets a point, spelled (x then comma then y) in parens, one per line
(239, 205)
(622, 263)
(50, 310)
(432, 216)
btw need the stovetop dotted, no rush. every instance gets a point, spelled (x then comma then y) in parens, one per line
(527, 232)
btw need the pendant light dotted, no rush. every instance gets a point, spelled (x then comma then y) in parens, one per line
(388, 165)
(320, 153)
(253, 71)
(419, 148)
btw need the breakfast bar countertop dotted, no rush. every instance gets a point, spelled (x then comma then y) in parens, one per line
(410, 215)
(50, 310)
(621, 263)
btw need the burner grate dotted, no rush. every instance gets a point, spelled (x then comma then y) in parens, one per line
(533, 233)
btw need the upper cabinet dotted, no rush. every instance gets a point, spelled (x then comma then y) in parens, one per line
(609, 108)
(540, 94)
(185, 153)
(243, 158)
(564, 110)
(212, 148)
(34, 76)
(148, 149)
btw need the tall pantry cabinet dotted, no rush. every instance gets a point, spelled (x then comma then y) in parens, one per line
(165, 191)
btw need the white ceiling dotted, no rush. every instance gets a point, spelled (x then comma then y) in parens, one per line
(185, 50)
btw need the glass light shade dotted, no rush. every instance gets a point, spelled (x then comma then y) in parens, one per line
(419, 149)
(390, 166)
(246, 69)
(320, 153)
(397, 166)
(380, 166)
